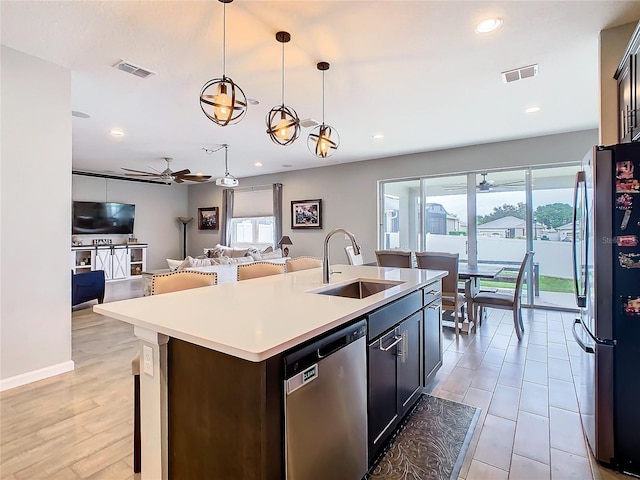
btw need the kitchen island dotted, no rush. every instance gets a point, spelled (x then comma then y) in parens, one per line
(211, 361)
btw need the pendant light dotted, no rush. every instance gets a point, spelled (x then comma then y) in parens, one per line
(283, 124)
(221, 99)
(323, 140)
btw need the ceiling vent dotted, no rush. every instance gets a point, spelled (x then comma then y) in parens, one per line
(133, 69)
(520, 73)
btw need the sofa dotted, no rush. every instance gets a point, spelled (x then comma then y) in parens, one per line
(222, 260)
(87, 286)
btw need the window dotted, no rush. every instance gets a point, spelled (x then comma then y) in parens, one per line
(252, 231)
(253, 222)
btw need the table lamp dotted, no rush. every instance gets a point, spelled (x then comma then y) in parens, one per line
(185, 221)
(285, 240)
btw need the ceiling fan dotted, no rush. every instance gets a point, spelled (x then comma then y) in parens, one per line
(489, 185)
(169, 176)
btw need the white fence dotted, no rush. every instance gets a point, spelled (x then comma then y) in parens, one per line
(554, 258)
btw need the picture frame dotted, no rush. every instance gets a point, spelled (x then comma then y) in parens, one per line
(306, 214)
(208, 218)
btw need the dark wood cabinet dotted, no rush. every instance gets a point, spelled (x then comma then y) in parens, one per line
(628, 78)
(408, 361)
(432, 340)
(394, 378)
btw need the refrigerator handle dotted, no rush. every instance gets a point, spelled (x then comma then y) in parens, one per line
(581, 299)
(578, 340)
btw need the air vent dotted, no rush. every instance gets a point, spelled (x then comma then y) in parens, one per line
(133, 69)
(520, 73)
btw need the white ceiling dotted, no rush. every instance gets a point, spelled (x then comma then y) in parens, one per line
(414, 71)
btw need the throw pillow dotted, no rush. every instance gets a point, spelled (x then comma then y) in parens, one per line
(186, 263)
(275, 254)
(173, 264)
(268, 249)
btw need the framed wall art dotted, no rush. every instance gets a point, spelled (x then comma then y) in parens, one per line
(208, 218)
(306, 214)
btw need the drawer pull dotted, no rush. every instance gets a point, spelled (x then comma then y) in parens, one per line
(396, 341)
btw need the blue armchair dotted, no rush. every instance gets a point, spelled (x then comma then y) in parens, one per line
(87, 286)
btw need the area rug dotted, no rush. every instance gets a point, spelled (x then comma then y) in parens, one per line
(430, 444)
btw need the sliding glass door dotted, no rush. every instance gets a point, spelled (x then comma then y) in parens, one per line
(490, 217)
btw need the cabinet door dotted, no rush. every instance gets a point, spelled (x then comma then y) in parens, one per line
(625, 107)
(432, 340)
(409, 381)
(382, 387)
(103, 262)
(635, 97)
(119, 262)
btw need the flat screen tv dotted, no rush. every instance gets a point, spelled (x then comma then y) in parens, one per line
(102, 218)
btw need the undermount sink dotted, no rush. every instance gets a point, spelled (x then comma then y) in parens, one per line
(361, 288)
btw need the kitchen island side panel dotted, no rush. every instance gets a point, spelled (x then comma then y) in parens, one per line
(225, 415)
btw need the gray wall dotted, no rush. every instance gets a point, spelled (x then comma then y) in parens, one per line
(157, 207)
(35, 193)
(349, 191)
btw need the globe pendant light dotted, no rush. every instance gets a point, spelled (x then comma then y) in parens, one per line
(283, 124)
(323, 140)
(221, 99)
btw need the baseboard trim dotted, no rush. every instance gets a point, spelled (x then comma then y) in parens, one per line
(35, 375)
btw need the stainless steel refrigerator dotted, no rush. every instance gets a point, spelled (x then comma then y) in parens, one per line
(606, 234)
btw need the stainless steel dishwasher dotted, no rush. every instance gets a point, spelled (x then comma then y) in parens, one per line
(326, 408)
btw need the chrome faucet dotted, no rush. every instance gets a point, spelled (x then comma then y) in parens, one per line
(325, 255)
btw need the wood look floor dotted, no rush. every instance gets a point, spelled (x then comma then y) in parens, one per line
(80, 424)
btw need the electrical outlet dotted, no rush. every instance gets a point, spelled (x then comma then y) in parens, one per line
(147, 360)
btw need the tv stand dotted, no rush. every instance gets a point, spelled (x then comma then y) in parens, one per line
(119, 262)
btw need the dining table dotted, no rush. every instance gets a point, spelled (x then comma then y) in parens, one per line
(472, 274)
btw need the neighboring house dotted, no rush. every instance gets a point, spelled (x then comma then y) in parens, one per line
(508, 227)
(441, 222)
(565, 232)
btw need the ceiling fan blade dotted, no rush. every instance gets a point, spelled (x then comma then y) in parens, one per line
(178, 179)
(186, 171)
(138, 171)
(196, 178)
(151, 175)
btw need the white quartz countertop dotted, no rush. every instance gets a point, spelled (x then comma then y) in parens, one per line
(256, 319)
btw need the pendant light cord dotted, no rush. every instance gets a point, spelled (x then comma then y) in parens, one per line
(224, 40)
(283, 73)
(323, 97)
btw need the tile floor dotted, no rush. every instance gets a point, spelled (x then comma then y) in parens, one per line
(529, 425)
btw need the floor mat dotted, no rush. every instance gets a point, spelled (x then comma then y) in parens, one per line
(430, 443)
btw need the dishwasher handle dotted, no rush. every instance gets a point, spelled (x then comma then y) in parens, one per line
(306, 355)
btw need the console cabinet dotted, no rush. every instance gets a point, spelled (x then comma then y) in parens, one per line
(119, 262)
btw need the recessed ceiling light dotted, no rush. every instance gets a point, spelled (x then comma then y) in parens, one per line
(116, 133)
(258, 164)
(253, 101)
(532, 109)
(287, 165)
(489, 25)
(378, 136)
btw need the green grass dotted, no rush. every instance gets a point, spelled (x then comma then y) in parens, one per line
(547, 284)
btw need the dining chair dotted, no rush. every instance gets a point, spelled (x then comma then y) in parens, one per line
(451, 299)
(247, 271)
(393, 258)
(352, 258)
(181, 280)
(302, 263)
(162, 283)
(506, 301)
